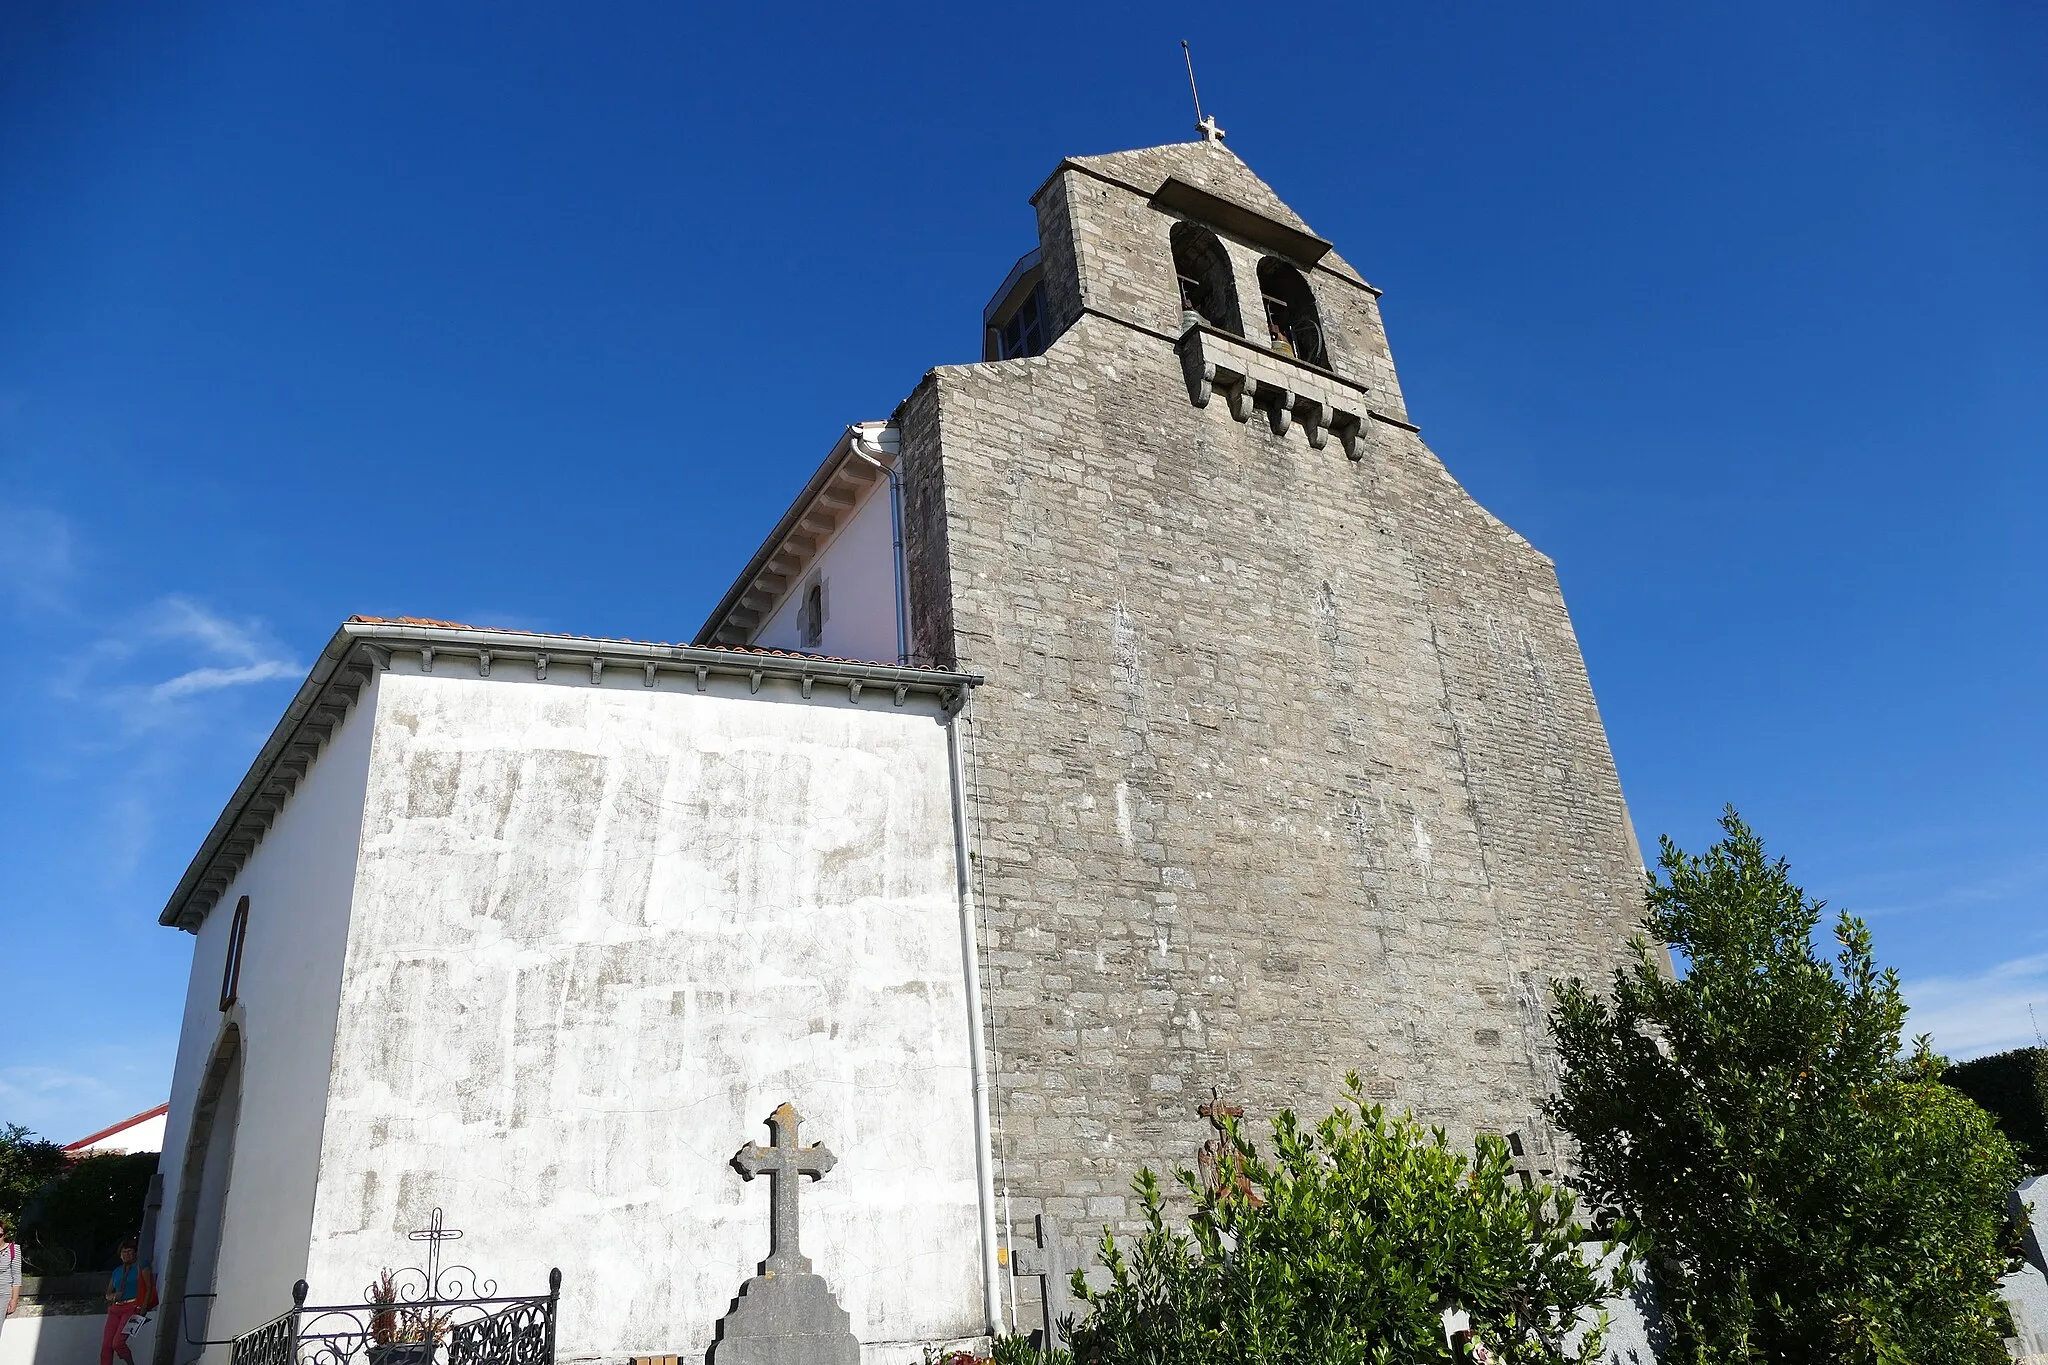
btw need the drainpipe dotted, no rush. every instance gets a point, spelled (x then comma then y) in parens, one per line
(970, 956)
(872, 441)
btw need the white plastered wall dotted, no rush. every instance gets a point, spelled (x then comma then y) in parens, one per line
(601, 931)
(146, 1136)
(858, 568)
(299, 882)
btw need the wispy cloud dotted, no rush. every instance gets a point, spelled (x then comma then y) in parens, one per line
(35, 1095)
(141, 694)
(37, 557)
(1984, 1012)
(218, 652)
(211, 679)
(84, 1088)
(243, 651)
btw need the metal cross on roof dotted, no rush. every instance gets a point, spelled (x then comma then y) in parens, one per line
(783, 1162)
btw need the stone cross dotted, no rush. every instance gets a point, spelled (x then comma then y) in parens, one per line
(1529, 1159)
(1045, 1264)
(784, 1163)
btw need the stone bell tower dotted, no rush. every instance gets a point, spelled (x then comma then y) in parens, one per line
(1286, 763)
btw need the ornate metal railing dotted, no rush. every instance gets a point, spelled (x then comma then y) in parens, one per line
(270, 1344)
(410, 1323)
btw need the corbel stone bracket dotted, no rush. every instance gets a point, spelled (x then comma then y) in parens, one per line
(1253, 380)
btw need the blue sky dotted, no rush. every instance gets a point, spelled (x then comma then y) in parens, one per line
(538, 315)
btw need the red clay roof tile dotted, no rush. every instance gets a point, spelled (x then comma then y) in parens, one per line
(619, 640)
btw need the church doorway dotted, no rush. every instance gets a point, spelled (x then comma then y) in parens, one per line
(194, 1253)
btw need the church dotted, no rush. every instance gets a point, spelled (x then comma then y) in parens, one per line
(1141, 714)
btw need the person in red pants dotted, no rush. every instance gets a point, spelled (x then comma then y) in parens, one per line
(132, 1290)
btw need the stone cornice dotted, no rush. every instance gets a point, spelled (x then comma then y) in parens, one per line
(361, 649)
(1287, 390)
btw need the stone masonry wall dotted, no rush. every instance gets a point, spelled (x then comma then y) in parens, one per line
(1285, 765)
(1106, 247)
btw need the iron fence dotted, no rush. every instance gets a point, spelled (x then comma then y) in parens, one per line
(410, 1323)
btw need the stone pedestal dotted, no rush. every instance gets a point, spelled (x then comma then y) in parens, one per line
(785, 1319)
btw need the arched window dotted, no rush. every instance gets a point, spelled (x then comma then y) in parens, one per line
(810, 619)
(1205, 284)
(1293, 326)
(231, 970)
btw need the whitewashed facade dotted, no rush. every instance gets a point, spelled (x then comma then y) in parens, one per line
(538, 933)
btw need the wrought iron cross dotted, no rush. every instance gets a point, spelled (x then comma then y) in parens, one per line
(433, 1234)
(784, 1162)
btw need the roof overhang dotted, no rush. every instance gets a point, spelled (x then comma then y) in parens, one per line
(1022, 276)
(826, 503)
(123, 1126)
(1305, 249)
(363, 647)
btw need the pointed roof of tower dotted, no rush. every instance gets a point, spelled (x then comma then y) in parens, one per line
(1209, 166)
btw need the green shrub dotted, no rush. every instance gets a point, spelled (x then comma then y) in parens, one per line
(77, 1220)
(1804, 1193)
(2013, 1088)
(1345, 1248)
(27, 1163)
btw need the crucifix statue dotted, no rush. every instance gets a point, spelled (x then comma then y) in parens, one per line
(1217, 1160)
(785, 1164)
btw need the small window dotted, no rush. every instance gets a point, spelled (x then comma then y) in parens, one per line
(1203, 268)
(1293, 326)
(1023, 333)
(810, 617)
(231, 971)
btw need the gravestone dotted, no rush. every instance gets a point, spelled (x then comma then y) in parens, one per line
(1531, 1158)
(1046, 1263)
(785, 1315)
(2026, 1289)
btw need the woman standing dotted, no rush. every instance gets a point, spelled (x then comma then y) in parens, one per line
(132, 1290)
(10, 1276)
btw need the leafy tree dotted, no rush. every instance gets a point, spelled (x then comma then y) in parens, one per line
(1805, 1193)
(27, 1163)
(1347, 1246)
(78, 1219)
(2013, 1088)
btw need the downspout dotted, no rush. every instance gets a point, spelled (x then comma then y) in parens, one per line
(970, 956)
(871, 442)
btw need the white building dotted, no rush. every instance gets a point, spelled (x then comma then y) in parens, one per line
(143, 1132)
(538, 930)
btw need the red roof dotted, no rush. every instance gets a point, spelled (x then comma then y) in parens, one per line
(620, 640)
(125, 1124)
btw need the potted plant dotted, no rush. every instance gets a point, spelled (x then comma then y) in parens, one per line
(402, 1334)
